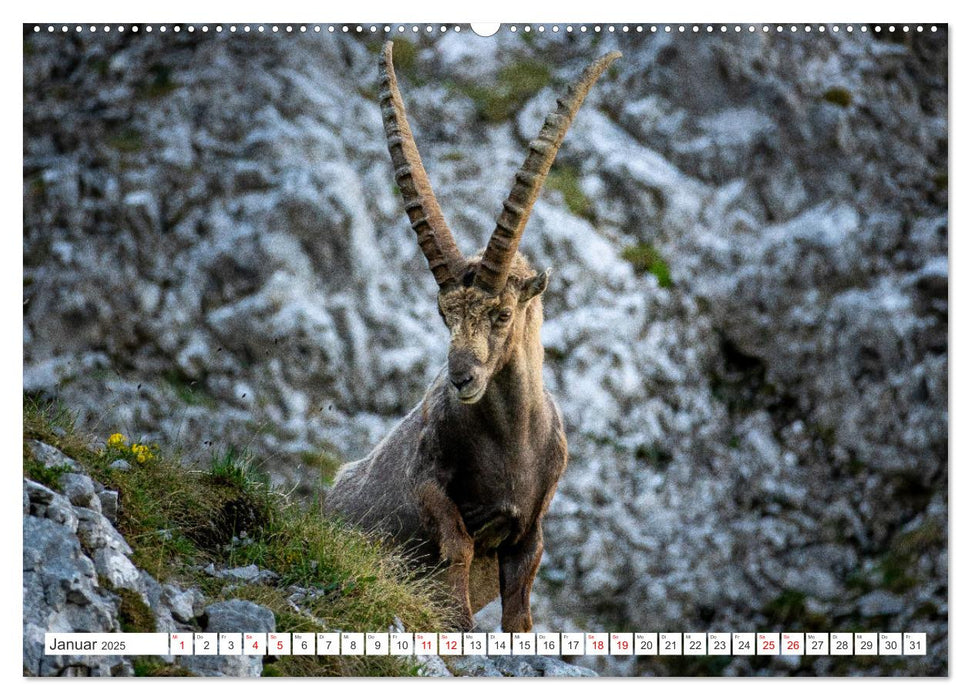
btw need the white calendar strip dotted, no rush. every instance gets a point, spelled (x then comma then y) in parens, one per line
(490, 644)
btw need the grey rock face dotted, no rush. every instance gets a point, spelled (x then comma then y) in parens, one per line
(880, 603)
(247, 574)
(518, 666)
(97, 532)
(474, 666)
(242, 573)
(116, 569)
(61, 594)
(232, 616)
(79, 490)
(120, 464)
(239, 615)
(45, 503)
(759, 424)
(182, 604)
(73, 560)
(50, 456)
(109, 505)
(539, 666)
(434, 667)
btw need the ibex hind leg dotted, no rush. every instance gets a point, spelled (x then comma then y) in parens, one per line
(483, 581)
(483, 587)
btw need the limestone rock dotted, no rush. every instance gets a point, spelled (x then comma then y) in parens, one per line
(79, 490)
(232, 616)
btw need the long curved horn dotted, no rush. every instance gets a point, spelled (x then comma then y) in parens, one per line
(494, 268)
(434, 237)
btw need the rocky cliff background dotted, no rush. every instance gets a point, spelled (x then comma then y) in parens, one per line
(746, 326)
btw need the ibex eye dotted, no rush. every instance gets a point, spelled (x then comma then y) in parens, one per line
(504, 315)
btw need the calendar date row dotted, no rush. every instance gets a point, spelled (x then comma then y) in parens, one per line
(491, 643)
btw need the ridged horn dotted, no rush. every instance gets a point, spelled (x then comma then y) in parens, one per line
(494, 268)
(434, 237)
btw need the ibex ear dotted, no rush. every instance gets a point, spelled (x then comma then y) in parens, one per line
(535, 286)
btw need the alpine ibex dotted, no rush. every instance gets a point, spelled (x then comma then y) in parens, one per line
(467, 476)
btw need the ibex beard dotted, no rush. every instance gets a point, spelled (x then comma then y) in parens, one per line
(465, 479)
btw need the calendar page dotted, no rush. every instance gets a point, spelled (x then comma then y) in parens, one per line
(530, 349)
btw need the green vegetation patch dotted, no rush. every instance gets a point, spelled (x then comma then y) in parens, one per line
(153, 666)
(900, 569)
(126, 140)
(158, 83)
(515, 83)
(566, 179)
(654, 454)
(404, 54)
(326, 462)
(42, 474)
(187, 390)
(645, 258)
(840, 96)
(133, 614)
(171, 514)
(789, 609)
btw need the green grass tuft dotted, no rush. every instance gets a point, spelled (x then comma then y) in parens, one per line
(153, 666)
(133, 613)
(35, 471)
(324, 461)
(235, 468)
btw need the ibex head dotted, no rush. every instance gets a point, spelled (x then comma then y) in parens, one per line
(486, 301)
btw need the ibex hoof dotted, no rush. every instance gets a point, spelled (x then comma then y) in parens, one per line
(519, 623)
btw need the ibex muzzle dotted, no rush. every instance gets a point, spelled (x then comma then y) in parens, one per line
(465, 373)
(465, 479)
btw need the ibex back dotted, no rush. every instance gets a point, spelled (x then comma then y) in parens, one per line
(465, 479)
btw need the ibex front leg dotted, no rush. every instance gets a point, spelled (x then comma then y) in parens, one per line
(518, 564)
(443, 521)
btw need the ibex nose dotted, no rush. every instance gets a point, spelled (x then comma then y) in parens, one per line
(461, 368)
(462, 382)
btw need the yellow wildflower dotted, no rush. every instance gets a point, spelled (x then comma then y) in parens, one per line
(142, 453)
(116, 441)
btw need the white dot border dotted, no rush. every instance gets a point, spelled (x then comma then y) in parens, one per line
(434, 30)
